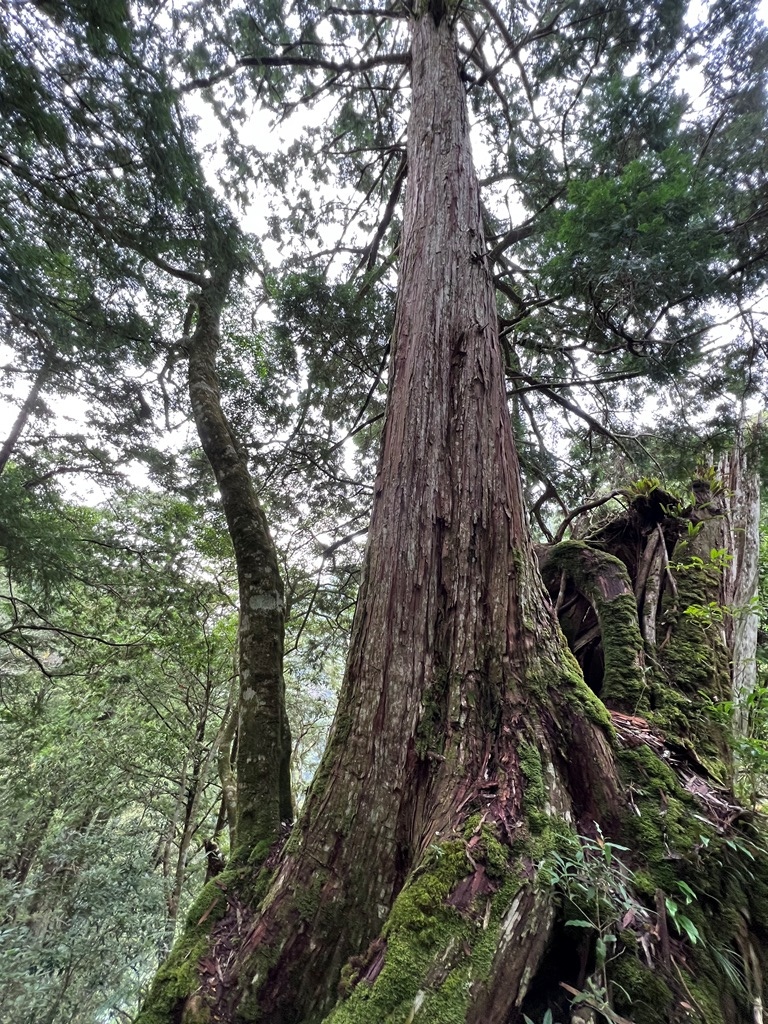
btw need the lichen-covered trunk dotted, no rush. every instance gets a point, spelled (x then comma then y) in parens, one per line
(264, 744)
(739, 474)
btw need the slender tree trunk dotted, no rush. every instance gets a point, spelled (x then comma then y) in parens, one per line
(171, 870)
(263, 759)
(18, 863)
(201, 758)
(742, 543)
(41, 378)
(224, 757)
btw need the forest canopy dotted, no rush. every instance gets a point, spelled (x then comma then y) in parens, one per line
(402, 368)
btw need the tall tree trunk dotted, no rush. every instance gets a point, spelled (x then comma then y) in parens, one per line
(264, 747)
(467, 747)
(452, 634)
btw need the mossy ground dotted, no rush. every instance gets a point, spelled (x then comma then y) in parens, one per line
(638, 991)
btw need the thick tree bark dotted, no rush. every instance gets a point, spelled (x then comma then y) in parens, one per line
(264, 746)
(452, 635)
(467, 748)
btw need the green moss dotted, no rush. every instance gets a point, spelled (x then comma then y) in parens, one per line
(534, 793)
(533, 773)
(644, 769)
(178, 979)
(662, 828)
(444, 866)
(645, 885)
(624, 685)
(308, 900)
(259, 853)
(493, 853)
(419, 927)
(578, 693)
(496, 855)
(695, 661)
(559, 836)
(639, 993)
(349, 977)
(472, 824)
(673, 843)
(435, 953)
(706, 994)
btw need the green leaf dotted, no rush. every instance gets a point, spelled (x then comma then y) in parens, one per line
(687, 891)
(685, 924)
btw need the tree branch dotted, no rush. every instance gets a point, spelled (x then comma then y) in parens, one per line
(596, 425)
(288, 61)
(585, 508)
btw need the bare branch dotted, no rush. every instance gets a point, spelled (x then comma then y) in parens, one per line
(585, 508)
(367, 12)
(296, 61)
(386, 218)
(560, 400)
(327, 552)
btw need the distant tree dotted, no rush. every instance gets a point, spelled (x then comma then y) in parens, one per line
(101, 176)
(117, 668)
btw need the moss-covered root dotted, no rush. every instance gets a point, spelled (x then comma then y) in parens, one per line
(221, 908)
(465, 924)
(170, 999)
(603, 580)
(717, 880)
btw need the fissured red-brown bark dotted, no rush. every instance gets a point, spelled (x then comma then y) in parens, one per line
(451, 622)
